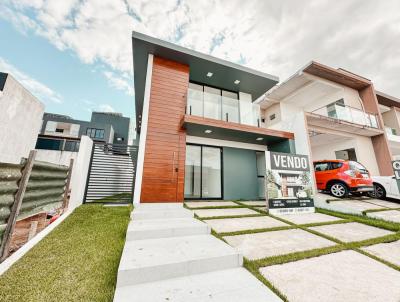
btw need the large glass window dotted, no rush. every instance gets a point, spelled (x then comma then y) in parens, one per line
(192, 172)
(211, 173)
(203, 172)
(230, 107)
(212, 103)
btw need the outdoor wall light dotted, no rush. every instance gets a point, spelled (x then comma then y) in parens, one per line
(236, 82)
(209, 74)
(207, 131)
(259, 139)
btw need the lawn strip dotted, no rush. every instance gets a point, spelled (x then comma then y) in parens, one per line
(77, 261)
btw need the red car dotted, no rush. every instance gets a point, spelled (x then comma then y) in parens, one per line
(341, 177)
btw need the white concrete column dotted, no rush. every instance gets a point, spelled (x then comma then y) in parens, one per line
(143, 132)
(80, 172)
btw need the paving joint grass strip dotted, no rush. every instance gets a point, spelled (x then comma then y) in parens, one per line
(388, 263)
(77, 261)
(315, 224)
(380, 210)
(254, 269)
(387, 225)
(231, 216)
(215, 208)
(254, 231)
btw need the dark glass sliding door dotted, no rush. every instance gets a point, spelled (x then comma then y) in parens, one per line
(203, 172)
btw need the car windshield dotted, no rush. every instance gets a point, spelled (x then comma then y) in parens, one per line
(357, 166)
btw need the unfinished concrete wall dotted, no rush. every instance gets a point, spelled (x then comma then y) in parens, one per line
(20, 120)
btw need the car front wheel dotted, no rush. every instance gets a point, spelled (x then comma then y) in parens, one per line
(378, 192)
(339, 190)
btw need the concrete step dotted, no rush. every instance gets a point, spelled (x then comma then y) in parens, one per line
(226, 285)
(158, 259)
(160, 213)
(163, 228)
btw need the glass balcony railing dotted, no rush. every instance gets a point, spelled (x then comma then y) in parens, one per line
(224, 107)
(349, 114)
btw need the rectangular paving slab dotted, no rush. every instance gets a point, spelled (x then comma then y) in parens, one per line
(343, 276)
(353, 231)
(240, 224)
(202, 204)
(391, 215)
(384, 203)
(386, 251)
(309, 218)
(235, 285)
(352, 206)
(224, 212)
(267, 244)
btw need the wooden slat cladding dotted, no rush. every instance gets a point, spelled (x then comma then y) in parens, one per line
(165, 141)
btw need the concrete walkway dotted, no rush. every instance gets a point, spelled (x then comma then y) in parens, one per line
(171, 256)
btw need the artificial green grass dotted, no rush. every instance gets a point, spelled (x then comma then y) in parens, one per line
(77, 261)
(116, 198)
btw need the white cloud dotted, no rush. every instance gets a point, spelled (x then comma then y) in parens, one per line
(40, 90)
(106, 108)
(277, 37)
(119, 82)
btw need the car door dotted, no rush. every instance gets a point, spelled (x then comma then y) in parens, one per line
(323, 174)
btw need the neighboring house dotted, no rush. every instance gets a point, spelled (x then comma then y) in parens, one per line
(389, 107)
(20, 119)
(61, 132)
(333, 114)
(199, 128)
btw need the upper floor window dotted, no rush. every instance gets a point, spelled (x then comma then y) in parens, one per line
(215, 103)
(95, 133)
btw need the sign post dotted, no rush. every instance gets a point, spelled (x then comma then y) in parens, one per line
(289, 188)
(396, 171)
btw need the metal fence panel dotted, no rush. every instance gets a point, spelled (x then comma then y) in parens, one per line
(111, 174)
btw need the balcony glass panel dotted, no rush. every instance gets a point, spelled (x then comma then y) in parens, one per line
(348, 114)
(230, 107)
(195, 100)
(212, 103)
(223, 105)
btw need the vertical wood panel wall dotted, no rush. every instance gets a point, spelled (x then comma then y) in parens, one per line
(164, 159)
(380, 142)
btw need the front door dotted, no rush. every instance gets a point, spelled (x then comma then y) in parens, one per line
(203, 172)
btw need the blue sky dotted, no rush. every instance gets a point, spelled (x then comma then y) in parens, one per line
(76, 56)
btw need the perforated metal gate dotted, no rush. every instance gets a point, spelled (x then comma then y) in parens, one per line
(111, 174)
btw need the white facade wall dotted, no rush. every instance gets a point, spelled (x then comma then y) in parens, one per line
(20, 121)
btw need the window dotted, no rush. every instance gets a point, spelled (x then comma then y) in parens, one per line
(357, 166)
(95, 133)
(321, 167)
(58, 130)
(336, 165)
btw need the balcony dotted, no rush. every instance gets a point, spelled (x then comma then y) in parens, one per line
(212, 103)
(345, 118)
